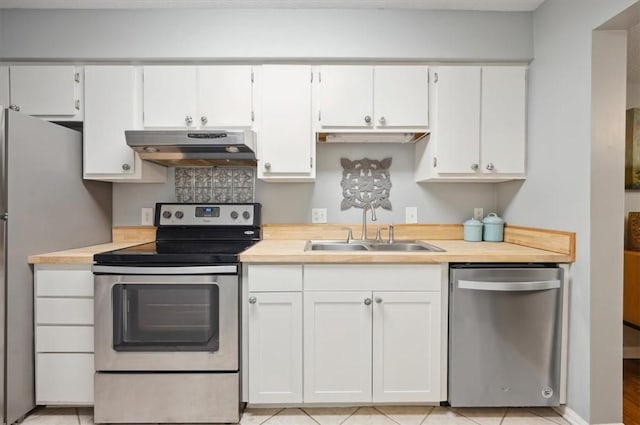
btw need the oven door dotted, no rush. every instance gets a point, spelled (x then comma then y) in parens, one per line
(184, 321)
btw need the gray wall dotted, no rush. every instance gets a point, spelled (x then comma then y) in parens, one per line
(274, 34)
(292, 202)
(560, 167)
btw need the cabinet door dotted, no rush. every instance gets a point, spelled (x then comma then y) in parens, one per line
(337, 347)
(285, 139)
(64, 378)
(346, 96)
(457, 119)
(170, 96)
(224, 96)
(406, 347)
(401, 96)
(44, 90)
(503, 128)
(4, 86)
(275, 347)
(110, 109)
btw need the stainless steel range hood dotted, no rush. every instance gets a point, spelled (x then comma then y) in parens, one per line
(364, 137)
(194, 147)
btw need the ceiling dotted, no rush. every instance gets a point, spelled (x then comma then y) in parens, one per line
(486, 5)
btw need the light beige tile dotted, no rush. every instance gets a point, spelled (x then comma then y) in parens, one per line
(549, 414)
(52, 416)
(257, 416)
(330, 415)
(406, 415)
(368, 416)
(521, 416)
(445, 416)
(291, 417)
(482, 415)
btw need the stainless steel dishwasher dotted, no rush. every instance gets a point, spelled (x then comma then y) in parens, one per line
(505, 336)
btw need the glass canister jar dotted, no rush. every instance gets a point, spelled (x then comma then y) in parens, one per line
(493, 228)
(473, 230)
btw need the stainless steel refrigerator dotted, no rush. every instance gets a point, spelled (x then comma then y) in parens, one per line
(44, 206)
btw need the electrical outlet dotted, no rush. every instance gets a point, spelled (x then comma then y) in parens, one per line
(146, 218)
(478, 213)
(411, 215)
(318, 215)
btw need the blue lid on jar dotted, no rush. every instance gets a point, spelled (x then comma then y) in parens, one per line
(473, 222)
(492, 218)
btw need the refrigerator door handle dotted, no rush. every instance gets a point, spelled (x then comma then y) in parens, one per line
(538, 285)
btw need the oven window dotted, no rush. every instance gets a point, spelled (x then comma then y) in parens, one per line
(157, 317)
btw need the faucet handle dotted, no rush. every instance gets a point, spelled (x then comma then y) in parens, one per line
(391, 233)
(378, 234)
(350, 234)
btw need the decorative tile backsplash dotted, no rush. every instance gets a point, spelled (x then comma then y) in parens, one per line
(215, 184)
(365, 181)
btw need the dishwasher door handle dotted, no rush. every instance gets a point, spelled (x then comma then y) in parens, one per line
(481, 285)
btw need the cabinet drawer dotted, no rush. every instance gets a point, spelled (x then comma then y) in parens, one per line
(64, 339)
(277, 278)
(62, 311)
(373, 277)
(64, 283)
(64, 378)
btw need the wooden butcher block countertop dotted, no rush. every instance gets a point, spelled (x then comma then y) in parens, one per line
(123, 237)
(286, 243)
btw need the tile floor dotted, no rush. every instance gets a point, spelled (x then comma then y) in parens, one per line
(379, 415)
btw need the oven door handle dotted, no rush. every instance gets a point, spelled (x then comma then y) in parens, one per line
(166, 270)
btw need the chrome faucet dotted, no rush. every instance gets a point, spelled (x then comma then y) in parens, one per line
(364, 218)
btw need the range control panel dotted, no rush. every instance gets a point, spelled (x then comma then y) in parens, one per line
(207, 215)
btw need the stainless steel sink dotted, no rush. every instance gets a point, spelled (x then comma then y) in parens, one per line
(358, 245)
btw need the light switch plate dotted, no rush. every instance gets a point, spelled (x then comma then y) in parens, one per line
(146, 216)
(411, 215)
(318, 215)
(478, 213)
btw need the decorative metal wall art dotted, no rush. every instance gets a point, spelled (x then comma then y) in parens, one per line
(365, 181)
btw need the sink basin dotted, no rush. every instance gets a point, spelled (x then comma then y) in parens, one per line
(399, 245)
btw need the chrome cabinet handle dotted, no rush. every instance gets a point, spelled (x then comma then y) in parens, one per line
(490, 166)
(267, 165)
(14, 107)
(252, 300)
(367, 301)
(188, 120)
(203, 119)
(382, 120)
(367, 119)
(474, 167)
(378, 300)
(126, 167)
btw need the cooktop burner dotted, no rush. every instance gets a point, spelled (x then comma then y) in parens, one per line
(193, 234)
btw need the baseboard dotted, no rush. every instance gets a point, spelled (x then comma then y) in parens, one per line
(573, 418)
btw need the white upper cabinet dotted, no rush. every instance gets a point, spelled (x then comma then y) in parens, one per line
(113, 106)
(4, 86)
(46, 91)
(197, 96)
(478, 125)
(224, 96)
(361, 97)
(285, 137)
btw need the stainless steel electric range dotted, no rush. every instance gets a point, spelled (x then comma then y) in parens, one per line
(167, 318)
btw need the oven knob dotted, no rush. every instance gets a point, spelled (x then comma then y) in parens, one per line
(179, 214)
(234, 214)
(246, 215)
(166, 214)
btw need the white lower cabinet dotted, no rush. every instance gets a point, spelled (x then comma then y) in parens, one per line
(64, 334)
(346, 333)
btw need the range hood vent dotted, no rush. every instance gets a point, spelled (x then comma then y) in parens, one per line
(370, 137)
(194, 147)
